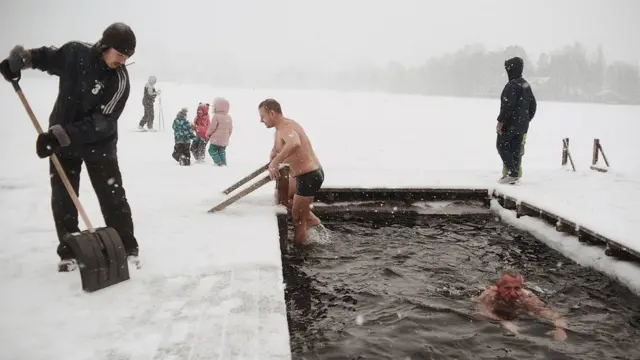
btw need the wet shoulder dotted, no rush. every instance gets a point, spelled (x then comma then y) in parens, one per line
(297, 127)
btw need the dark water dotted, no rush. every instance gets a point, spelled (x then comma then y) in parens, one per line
(412, 288)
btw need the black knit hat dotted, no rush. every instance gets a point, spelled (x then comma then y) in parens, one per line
(120, 37)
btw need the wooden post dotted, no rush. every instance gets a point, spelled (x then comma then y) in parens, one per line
(597, 149)
(282, 186)
(565, 150)
(283, 232)
(282, 197)
(603, 155)
(566, 154)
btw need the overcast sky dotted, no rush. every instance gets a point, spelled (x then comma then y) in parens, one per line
(328, 34)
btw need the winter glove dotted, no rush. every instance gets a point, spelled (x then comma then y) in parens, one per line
(18, 59)
(6, 72)
(46, 144)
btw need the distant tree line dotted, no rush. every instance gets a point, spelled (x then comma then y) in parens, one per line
(567, 74)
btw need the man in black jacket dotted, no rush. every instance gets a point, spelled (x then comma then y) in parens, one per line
(93, 90)
(518, 107)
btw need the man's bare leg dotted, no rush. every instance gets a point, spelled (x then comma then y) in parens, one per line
(292, 191)
(312, 220)
(300, 213)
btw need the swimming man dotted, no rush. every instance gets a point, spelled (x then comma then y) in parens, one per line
(503, 301)
(292, 147)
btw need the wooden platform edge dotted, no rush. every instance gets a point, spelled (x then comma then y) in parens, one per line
(332, 195)
(583, 233)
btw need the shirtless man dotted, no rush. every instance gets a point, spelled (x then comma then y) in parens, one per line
(503, 301)
(292, 147)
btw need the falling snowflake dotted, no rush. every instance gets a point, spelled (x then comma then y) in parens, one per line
(359, 320)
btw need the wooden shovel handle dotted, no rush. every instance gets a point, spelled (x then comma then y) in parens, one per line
(54, 159)
(246, 179)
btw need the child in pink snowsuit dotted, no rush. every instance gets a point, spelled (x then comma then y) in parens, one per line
(219, 131)
(200, 126)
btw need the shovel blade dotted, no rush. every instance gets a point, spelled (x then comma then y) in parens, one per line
(101, 258)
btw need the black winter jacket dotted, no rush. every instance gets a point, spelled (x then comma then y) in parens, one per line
(517, 103)
(91, 97)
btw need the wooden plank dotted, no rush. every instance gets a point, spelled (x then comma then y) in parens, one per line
(598, 168)
(583, 233)
(396, 208)
(241, 194)
(246, 179)
(331, 195)
(404, 190)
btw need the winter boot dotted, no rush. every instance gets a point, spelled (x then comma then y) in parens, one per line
(508, 179)
(133, 258)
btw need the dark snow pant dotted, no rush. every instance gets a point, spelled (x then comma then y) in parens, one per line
(519, 159)
(218, 154)
(181, 154)
(199, 148)
(509, 145)
(148, 116)
(107, 183)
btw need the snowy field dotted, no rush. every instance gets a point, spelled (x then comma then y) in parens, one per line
(211, 284)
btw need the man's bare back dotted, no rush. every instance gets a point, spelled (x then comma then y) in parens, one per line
(303, 159)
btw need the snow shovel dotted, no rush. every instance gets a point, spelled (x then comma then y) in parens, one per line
(99, 252)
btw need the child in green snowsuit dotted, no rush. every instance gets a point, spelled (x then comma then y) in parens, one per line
(182, 135)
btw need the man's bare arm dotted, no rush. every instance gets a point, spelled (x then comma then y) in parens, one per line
(483, 309)
(536, 305)
(274, 152)
(291, 144)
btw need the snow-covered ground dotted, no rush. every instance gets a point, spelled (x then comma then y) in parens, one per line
(211, 283)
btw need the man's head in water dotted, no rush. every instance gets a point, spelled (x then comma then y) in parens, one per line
(510, 286)
(270, 113)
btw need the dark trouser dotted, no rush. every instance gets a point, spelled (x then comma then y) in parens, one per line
(519, 159)
(148, 116)
(218, 154)
(181, 153)
(107, 183)
(198, 148)
(509, 145)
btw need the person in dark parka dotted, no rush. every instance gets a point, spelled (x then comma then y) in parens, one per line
(83, 127)
(517, 108)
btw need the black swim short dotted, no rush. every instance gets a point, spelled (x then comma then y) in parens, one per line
(308, 184)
